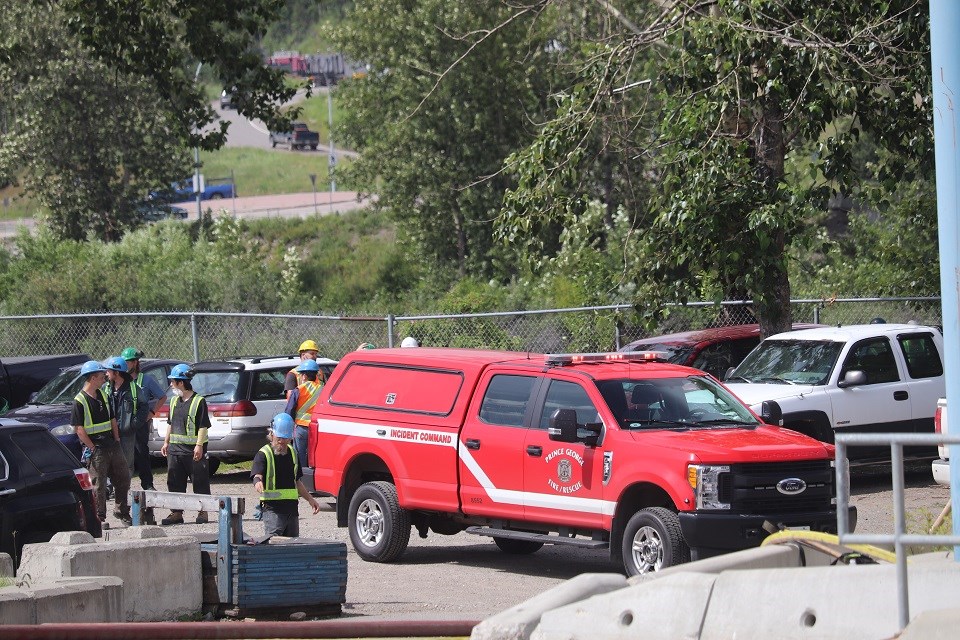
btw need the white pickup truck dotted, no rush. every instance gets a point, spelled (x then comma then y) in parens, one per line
(941, 466)
(857, 378)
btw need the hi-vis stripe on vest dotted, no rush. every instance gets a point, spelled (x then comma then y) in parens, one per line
(88, 425)
(191, 436)
(270, 491)
(306, 401)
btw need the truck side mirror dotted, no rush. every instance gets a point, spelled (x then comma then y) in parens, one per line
(852, 378)
(771, 413)
(563, 425)
(728, 373)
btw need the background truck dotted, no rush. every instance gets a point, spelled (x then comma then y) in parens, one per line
(941, 466)
(299, 137)
(23, 376)
(657, 463)
(857, 378)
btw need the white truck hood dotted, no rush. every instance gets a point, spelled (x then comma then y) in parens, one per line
(755, 394)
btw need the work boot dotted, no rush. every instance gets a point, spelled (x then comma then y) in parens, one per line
(123, 516)
(202, 518)
(175, 517)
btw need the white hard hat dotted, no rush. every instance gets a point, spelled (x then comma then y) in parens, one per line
(409, 341)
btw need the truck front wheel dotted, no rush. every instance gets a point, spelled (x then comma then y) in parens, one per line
(379, 527)
(652, 541)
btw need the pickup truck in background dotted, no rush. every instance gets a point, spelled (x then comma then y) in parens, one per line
(299, 137)
(860, 378)
(21, 377)
(941, 466)
(653, 462)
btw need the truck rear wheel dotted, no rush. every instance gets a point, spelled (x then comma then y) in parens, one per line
(379, 527)
(517, 547)
(652, 541)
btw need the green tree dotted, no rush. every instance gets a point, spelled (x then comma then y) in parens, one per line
(445, 102)
(741, 90)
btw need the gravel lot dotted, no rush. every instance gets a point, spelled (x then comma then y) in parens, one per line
(466, 577)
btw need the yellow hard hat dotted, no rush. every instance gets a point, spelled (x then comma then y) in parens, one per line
(308, 345)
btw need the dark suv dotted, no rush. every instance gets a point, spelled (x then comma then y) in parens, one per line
(243, 394)
(43, 489)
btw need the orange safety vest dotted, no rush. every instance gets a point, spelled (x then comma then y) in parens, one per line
(309, 391)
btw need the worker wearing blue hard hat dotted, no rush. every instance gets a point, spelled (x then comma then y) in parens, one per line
(96, 426)
(124, 397)
(185, 445)
(276, 474)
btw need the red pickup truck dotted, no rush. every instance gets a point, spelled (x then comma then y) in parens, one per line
(656, 462)
(299, 137)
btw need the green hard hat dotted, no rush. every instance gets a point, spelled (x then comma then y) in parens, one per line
(131, 353)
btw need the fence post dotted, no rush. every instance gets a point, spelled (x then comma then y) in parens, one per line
(390, 330)
(616, 335)
(816, 314)
(196, 343)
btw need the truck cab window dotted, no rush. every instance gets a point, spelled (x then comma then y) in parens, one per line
(920, 352)
(506, 399)
(875, 358)
(568, 395)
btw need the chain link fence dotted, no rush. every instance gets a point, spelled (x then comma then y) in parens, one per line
(206, 336)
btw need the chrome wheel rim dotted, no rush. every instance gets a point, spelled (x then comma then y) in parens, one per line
(369, 524)
(647, 550)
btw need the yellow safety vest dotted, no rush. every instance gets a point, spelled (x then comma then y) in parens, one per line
(270, 491)
(88, 424)
(190, 437)
(306, 401)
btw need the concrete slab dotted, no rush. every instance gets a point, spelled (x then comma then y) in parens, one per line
(97, 599)
(671, 608)
(778, 556)
(6, 566)
(850, 602)
(161, 576)
(940, 624)
(518, 622)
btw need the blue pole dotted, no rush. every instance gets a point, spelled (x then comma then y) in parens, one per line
(945, 65)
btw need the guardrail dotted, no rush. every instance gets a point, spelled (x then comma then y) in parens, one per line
(899, 538)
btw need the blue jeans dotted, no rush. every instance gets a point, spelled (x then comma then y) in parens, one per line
(300, 445)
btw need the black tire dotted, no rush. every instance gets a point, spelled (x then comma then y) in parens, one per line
(313, 147)
(216, 196)
(379, 527)
(652, 541)
(517, 547)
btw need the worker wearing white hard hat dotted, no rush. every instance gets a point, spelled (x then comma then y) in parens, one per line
(409, 341)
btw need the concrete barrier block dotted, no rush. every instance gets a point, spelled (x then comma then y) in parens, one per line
(850, 602)
(65, 600)
(518, 622)
(145, 532)
(6, 566)
(72, 537)
(940, 624)
(671, 608)
(161, 576)
(770, 557)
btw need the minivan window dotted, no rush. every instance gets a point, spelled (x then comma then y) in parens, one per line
(217, 386)
(505, 401)
(268, 385)
(920, 352)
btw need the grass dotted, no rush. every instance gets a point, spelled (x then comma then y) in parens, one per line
(262, 172)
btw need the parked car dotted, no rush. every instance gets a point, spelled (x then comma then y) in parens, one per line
(21, 377)
(43, 488)
(226, 100)
(299, 137)
(156, 211)
(713, 350)
(53, 404)
(243, 395)
(182, 191)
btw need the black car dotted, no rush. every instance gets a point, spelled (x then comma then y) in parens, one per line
(53, 404)
(43, 489)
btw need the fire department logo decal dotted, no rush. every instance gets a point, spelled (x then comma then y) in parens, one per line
(565, 459)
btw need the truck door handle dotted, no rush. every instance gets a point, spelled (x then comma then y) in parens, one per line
(473, 443)
(6, 492)
(534, 450)
(900, 395)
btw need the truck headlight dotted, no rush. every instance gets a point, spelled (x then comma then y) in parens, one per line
(705, 481)
(63, 430)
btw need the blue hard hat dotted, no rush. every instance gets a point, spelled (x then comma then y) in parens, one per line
(307, 366)
(115, 364)
(282, 425)
(180, 372)
(91, 366)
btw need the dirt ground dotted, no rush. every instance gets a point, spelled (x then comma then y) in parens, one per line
(466, 577)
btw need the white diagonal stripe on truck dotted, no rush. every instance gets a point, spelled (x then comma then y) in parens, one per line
(448, 439)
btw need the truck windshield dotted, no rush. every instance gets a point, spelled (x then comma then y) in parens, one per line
(675, 353)
(789, 362)
(691, 402)
(61, 389)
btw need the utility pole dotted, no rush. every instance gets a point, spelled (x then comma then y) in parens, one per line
(331, 167)
(196, 160)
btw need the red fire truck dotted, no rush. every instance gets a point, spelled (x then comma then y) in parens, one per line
(656, 462)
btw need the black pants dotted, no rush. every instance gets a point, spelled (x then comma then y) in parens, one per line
(141, 460)
(179, 467)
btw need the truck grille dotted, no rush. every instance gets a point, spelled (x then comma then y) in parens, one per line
(751, 489)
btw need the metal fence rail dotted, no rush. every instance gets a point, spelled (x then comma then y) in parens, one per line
(207, 335)
(899, 538)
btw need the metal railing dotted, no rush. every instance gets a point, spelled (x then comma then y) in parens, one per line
(899, 538)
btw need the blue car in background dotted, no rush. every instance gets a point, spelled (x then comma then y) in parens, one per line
(53, 404)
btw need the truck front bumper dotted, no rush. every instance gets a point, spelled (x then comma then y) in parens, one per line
(941, 471)
(711, 533)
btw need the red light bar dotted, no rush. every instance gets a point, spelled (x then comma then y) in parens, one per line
(566, 359)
